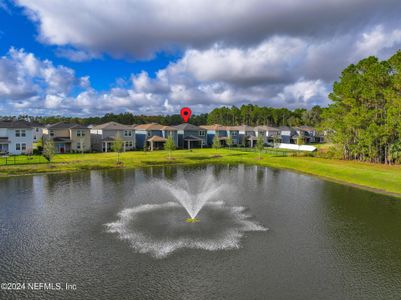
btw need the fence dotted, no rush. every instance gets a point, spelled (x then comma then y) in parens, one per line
(22, 160)
(275, 151)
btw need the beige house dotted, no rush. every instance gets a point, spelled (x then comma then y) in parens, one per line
(68, 137)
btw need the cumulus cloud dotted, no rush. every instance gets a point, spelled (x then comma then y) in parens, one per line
(272, 53)
(141, 28)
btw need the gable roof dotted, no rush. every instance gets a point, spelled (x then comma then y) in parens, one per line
(242, 128)
(266, 128)
(66, 125)
(156, 138)
(213, 127)
(187, 126)
(15, 124)
(154, 126)
(113, 126)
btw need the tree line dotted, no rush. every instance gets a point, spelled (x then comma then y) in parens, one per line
(252, 115)
(364, 118)
(255, 115)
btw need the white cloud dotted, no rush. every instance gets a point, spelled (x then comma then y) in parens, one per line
(141, 28)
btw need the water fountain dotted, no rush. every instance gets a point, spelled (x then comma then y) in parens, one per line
(159, 228)
(192, 198)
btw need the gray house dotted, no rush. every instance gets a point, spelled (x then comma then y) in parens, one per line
(270, 134)
(103, 136)
(190, 136)
(247, 135)
(212, 130)
(154, 135)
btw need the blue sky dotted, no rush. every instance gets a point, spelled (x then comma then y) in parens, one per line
(153, 57)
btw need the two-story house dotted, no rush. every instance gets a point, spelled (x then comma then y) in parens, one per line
(15, 137)
(37, 132)
(314, 135)
(270, 134)
(103, 136)
(233, 132)
(247, 135)
(154, 136)
(190, 136)
(212, 130)
(68, 137)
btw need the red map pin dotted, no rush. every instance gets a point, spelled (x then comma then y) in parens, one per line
(185, 113)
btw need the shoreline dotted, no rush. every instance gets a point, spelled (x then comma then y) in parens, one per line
(354, 174)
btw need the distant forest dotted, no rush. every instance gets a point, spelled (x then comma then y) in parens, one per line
(249, 114)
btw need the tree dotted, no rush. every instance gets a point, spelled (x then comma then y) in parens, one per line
(48, 150)
(276, 141)
(300, 140)
(364, 119)
(118, 146)
(229, 141)
(216, 142)
(169, 146)
(260, 145)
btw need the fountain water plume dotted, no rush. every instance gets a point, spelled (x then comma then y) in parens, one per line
(194, 199)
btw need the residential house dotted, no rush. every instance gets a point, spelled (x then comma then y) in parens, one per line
(212, 130)
(233, 132)
(315, 136)
(190, 136)
(287, 134)
(15, 137)
(247, 135)
(68, 137)
(271, 134)
(154, 135)
(37, 132)
(103, 136)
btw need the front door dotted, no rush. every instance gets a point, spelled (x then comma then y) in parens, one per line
(61, 149)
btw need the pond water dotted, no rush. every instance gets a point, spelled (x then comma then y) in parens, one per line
(262, 234)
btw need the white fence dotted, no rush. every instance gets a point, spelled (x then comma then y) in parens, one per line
(298, 148)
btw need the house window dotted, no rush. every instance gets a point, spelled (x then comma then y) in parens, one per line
(23, 146)
(202, 133)
(23, 132)
(78, 145)
(34, 137)
(127, 133)
(234, 133)
(37, 129)
(51, 132)
(17, 133)
(149, 133)
(80, 133)
(18, 147)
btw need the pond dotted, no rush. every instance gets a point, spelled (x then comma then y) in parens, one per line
(261, 234)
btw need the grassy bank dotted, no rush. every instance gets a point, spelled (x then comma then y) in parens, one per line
(379, 177)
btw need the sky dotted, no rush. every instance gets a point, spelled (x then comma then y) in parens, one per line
(91, 57)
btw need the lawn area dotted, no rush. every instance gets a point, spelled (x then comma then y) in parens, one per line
(379, 177)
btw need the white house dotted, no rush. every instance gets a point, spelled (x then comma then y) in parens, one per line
(16, 137)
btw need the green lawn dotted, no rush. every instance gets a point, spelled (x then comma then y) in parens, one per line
(379, 177)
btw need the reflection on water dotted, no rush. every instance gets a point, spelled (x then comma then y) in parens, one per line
(325, 240)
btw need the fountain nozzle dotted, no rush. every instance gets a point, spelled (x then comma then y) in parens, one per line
(192, 220)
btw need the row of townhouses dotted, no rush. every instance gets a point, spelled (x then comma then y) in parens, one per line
(20, 137)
